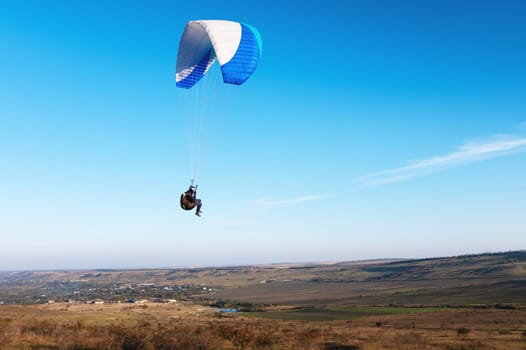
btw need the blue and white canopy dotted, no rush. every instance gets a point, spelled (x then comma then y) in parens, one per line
(236, 46)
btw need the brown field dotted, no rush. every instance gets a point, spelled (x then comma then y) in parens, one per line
(191, 326)
(436, 292)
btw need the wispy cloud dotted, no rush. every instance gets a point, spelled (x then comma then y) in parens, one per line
(267, 203)
(473, 151)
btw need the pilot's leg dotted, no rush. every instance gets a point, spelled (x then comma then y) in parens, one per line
(199, 204)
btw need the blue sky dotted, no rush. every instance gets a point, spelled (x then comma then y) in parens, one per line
(370, 129)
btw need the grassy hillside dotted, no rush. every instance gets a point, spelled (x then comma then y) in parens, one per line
(187, 326)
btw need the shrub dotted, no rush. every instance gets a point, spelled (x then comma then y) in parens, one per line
(463, 330)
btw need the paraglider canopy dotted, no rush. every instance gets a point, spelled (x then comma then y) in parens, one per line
(236, 46)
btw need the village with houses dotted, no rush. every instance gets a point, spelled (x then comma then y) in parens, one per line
(17, 290)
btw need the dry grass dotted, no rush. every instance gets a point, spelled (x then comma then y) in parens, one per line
(190, 326)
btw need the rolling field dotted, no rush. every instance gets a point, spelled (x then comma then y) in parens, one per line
(475, 302)
(455, 281)
(382, 293)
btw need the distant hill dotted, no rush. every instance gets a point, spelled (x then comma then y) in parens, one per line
(468, 279)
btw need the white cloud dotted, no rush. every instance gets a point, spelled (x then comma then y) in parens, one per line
(473, 151)
(273, 203)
